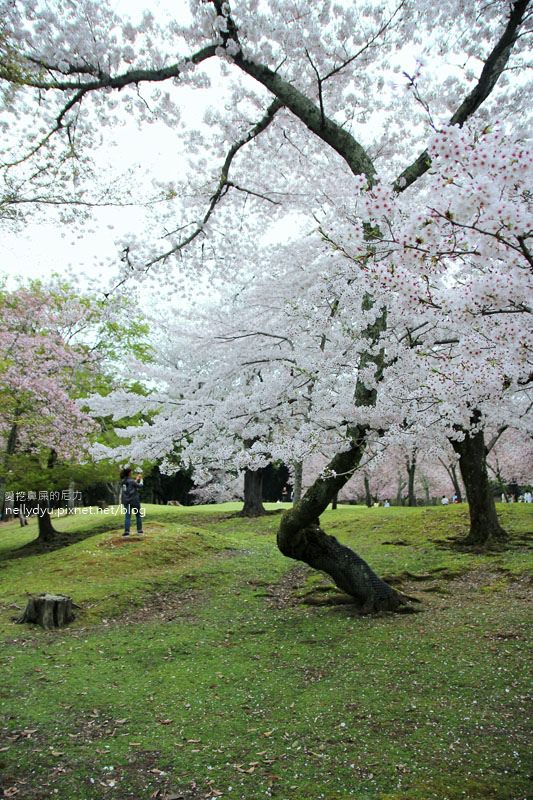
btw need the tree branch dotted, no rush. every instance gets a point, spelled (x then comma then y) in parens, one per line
(495, 438)
(493, 68)
(223, 184)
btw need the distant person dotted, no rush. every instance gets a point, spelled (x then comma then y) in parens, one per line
(528, 497)
(130, 499)
(444, 501)
(386, 504)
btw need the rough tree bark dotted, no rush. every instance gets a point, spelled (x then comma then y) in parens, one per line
(297, 482)
(301, 537)
(46, 530)
(48, 611)
(253, 494)
(485, 528)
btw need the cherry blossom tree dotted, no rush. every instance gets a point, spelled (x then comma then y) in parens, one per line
(412, 286)
(39, 364)
(55, 344)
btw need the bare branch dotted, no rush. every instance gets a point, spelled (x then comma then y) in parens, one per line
(231, 185)
(319, 84)
(236, 336)
(221, 189)
(495, 438)
(366, 46)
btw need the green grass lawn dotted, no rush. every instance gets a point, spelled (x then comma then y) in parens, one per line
(202, 663)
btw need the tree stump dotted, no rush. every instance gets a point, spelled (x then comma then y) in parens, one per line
(49, 611)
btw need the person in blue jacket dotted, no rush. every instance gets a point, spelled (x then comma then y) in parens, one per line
(130, 499)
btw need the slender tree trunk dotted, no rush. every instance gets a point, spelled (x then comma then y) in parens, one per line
(368, 494)
(425, 486)
(484, 525)
(399, 490)
(47, 531)
(499, 479)
(301, 537)
(451, 469)
(9, 451)
(253, 494)
(456, 484)
(334, 501)
(411, 470)
(297, 482)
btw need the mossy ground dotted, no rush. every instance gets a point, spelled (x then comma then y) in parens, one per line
(204, 664)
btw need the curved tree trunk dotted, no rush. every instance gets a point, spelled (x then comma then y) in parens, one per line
(297, 483)
(253, 494)
(301, 537)
(484, 524)
(47, 531)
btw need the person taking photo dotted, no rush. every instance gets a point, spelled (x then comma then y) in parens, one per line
(131, 500)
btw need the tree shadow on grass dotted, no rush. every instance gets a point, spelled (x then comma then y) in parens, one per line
(521, 541)
(269, 512)
(61, 539)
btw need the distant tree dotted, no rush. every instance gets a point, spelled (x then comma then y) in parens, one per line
(53, 343)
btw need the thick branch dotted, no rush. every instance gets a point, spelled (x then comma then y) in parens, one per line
(132, 77)
(310, 114)
(494, 66)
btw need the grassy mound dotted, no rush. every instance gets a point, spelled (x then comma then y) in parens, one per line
(204, 664)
